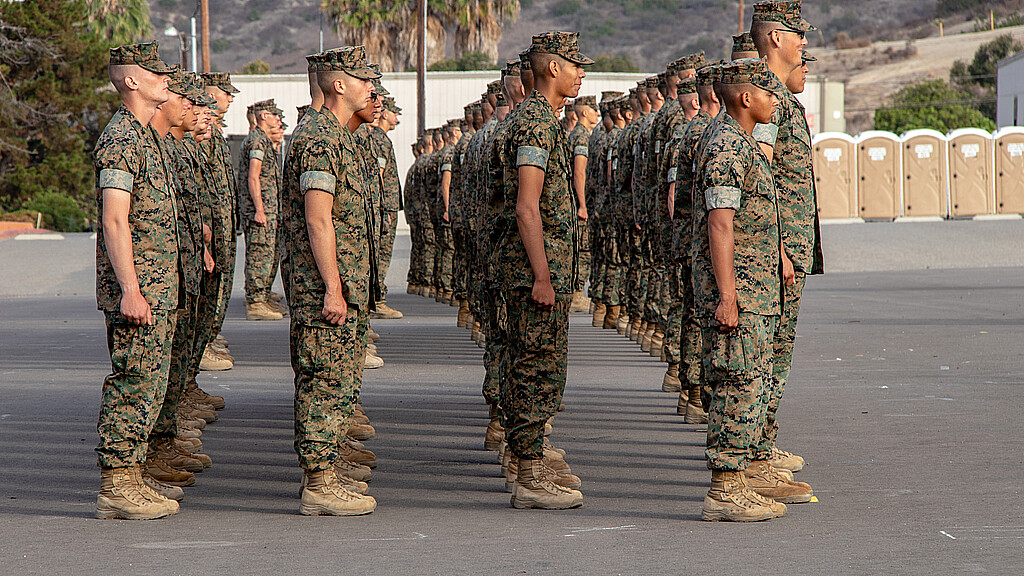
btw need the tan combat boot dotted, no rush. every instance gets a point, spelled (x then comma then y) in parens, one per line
(645, 342)
(782, 460)
(163, 472)
(460, 319)
(356, 486)
(165, 490)
(657, 343)
(549, 447)
(695, 413)
(217, 402)
(372, 361)
(638, 334)
(470, 321)
(349, 451)
(580, 303)
(611, 317)
(124, 494)
(190, 445)
(764, 480)
(361, 431)
(599, 312)
(278, 306)
(671, 383)
(510, 469)
(495, 434)
(325, 495)
(261, 311)
(411, 288)
(348, 469)
(385, 312)
(212, 362)
(164, 449)
(620, 326)
(195, 410)
(534, 488)
(729, 500)
(275, 297)
(372, 336)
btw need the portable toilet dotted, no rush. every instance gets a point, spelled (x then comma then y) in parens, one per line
(878, 175)
(1009, 170)
(971, 190)
(925, 174)
(835, 175)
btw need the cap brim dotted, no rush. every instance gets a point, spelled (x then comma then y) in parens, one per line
(363, 73)
(801, 26)
(229, 89)
(581, 60)
(158, 67)
(773, 85)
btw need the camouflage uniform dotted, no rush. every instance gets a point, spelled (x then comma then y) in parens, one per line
(792, 170)
(327, 359)
(579, 144)
(128, 158)
(421, 234)
(537, 338)
(734, 174)
(392, 203)
(463, 247)
(475, 187)
(627, 288)
(261, 253)
(442, 228)
(596, 239)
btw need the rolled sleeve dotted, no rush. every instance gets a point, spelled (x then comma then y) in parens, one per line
(766, 133)
(255, 154)
(532, 156)
(447, 167)
(722, 197)
(580, 151)
(315, 180)
(672, 172)
(114, 178)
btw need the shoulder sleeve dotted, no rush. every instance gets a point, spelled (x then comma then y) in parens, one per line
(769, 133)
(534, 146)
(119, 161)
(318, 167)
(723, 175)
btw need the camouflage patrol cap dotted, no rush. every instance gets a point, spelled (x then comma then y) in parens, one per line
(564, 44)
(689, 62)
(378, 88)
(806, 57)
(687, 86)
(632, 92)
(348, 59)
(468, 108)
(494, 88)
(220, 80)
(589, 101)
(609, 95)
(391, 106)
(300, 111)
(178, 81)
(743, 43)
(750, 71)
(651, 82)
(512, 68)
(312, 62)
(524, 61)
(786, 12)
(265, 106)
(144, 55)
(501, 100)
(708, 74)
(477, 106)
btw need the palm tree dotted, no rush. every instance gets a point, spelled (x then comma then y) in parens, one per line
(478, 24)
(120, 21)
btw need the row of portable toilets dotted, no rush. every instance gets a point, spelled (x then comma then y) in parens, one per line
(921, 174)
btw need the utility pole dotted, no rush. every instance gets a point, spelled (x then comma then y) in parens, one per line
(741, 28)
(204, 8)
(421, 69)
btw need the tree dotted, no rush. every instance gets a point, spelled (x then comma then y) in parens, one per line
(470, 61)
(55, 100)
(256, 67)
(931, 104)
(120, 21)
(387, 27)
(979, 77)
(616, 63)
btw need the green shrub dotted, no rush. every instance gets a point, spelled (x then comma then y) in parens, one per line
(59, 212)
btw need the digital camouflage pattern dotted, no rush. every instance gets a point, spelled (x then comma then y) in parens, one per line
(258, 146)
(324, 157)
(186, 330)
(782, 346)
(786, 13)
(128, 158)
(734, 174)
(535, 371)
(133, 393)
(738, 364)
(579, 144)
(536, 139)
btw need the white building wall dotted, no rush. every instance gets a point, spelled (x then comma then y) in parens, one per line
(1010, 91)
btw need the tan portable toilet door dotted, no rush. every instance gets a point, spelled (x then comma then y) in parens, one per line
(970, 172)
(1009, 155)
(835, 172)
(878, 169)
(925, 174)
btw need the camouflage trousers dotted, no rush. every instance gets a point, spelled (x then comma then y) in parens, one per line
(186, 331)
(494, 347)
(782, 344)
(585, 258)
(261, 259)
(636, 277)
(133, 392)
(615, 264)
(598, 266)
(738, 365)
(444, 250)
(534, 378)
(227, 281)
(206, 317)
(387, 249)
(460, 261)
(327, 362)
(421, 254)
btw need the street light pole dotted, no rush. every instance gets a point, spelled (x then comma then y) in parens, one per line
(204, 9)
(421, 69)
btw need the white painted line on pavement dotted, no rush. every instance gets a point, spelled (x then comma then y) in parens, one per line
(39, 237)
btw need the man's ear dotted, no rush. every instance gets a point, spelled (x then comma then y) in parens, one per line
(745, 98)
(131, 82)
